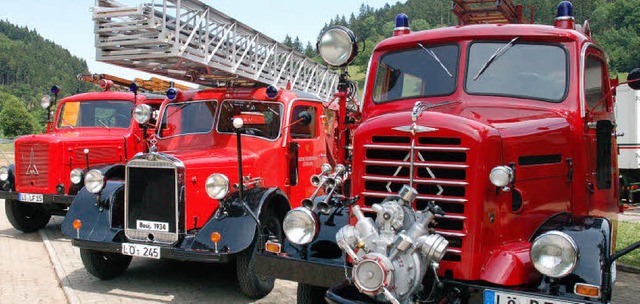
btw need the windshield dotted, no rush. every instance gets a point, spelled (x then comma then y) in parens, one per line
(261, 119)
(423, 71)
(192, 117)
(95, 113)
(537, 71)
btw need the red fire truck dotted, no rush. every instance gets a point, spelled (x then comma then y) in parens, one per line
(88, 130)
(225, 164)
(484, 170)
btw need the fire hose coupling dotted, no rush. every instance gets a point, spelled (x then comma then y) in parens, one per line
(391, 255)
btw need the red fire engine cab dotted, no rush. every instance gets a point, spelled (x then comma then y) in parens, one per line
(87, 131)
(484, 170)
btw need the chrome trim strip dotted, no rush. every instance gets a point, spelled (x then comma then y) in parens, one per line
(417, 181)
(419, 148)
(449, 233)
(419, 197)
(452, 217)
(455, 251)
(421, 164)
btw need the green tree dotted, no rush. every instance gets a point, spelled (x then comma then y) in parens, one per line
(15, 120)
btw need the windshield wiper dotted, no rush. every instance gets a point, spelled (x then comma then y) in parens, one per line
(430, 52)
(70, 125)
(102, 123)
(503, 49)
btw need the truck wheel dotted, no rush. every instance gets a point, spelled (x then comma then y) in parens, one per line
(309, 294)
(26, 217)
(251, 283)
(104, 265)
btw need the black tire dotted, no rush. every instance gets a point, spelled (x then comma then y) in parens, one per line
(309, 294)
(26, 217)
(252, 284)
(104, 265)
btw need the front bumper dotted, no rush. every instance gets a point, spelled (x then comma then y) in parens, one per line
(309, 272)
(166, 252)
(47, 199)
(348, 294)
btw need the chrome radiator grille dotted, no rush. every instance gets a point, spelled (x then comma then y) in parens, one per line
(440, 175)
(151, 201)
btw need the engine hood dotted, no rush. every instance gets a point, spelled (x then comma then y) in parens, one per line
(77, 136)
(214, 158)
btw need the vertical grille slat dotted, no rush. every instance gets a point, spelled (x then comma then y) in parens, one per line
(440, 175)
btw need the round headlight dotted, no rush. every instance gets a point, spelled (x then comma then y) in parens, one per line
(554, 254)
(217, 186)
(501, 176)
(4, 173)
(45, 102)
(94, 181)
(76, 175)
(300, 226)
(142, 113)
(337, 46)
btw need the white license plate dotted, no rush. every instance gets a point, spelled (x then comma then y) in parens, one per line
(30, 198)
(496, 297)
(139, 250)
(152, 226)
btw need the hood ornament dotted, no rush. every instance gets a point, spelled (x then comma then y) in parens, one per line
(32, 169)
(153, 140)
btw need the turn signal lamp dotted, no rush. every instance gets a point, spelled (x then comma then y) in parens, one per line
(402, 25)
(216, 237)
(586, 290)
(564, 18)
(77, 224)
(273, 247)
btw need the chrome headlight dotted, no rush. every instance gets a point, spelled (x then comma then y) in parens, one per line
(300, 226)
(45, 101)
(142, 113)
(337, 46)
(94, 181)
(501, 176)
(554, 254)
(76, 176)
(4, 173)
(217, 186)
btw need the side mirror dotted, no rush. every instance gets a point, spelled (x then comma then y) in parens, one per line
(305, 118)
(634, 79)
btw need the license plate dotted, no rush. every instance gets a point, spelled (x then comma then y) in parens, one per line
(30, 198)
(139, 250)
(152, 226)
(496, 297)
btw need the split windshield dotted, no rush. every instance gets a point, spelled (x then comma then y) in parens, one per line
(261, 119)
(95, 114)
(423, 71)
(192, 117)
(537, 71)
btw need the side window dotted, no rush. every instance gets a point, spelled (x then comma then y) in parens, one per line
(594, 84)
(301, 130)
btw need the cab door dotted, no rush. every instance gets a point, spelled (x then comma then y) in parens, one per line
(306, 135)
(599, 128)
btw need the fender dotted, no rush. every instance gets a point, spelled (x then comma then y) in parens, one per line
(593, 237)
(10, 183)
(234, 224)
(96, 221)
(109, 171)
(319, 263)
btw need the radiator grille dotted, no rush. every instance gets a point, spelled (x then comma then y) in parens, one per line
(440, 175)
(32, 166)
(151, 197)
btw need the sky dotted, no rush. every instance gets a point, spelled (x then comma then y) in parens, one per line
(68, 22)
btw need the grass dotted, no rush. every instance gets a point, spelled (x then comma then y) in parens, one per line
(628, 233)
